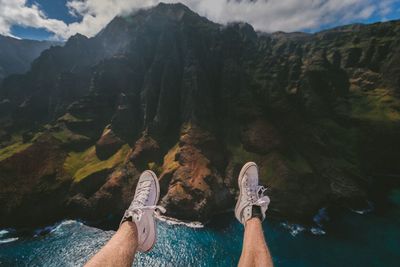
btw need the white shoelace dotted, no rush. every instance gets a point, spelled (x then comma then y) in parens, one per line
(256, 196)
(137, 213)
(142, 195)
(138, 206)
(262, 198)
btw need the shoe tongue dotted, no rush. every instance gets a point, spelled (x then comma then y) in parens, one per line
(142, 193)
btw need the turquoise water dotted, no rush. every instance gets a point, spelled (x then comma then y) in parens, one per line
(353, 239)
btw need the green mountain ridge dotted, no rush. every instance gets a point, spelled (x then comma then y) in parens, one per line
(168, 90)
(16, 55)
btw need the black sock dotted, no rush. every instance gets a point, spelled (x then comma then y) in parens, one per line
(256, 212)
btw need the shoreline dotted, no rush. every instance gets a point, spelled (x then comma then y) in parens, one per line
(318, 224)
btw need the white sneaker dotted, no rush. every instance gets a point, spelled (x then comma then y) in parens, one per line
(142, 209)
(251, 194)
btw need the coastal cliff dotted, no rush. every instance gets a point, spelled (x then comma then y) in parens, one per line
(168, 90)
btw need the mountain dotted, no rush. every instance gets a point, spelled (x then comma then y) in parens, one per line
(17, 55)
(168, 90)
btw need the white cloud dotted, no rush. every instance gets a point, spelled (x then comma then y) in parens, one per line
(264, 15)
(16, 12)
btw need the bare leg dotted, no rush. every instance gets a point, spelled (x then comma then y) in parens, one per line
(120, 250)
(255, 250)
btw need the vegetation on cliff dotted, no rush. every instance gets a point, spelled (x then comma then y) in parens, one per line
(83, 164)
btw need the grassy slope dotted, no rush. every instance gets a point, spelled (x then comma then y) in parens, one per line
(268, 169)
(16, 145)
(64, 135)
(11, 150)
(82, 164)
(378, 105)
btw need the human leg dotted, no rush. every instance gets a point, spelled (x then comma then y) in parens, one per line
(137, 231)
(255, 250)
(120, 250)
(250, 211)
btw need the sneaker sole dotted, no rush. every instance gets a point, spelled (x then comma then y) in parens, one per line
(242, 171)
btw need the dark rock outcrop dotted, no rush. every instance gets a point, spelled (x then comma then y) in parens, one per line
(108, 144)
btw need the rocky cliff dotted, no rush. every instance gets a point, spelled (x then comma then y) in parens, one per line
(168, 90)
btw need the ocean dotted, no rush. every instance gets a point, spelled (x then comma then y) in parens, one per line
(355, 238)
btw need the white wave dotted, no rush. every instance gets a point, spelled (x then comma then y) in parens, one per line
(368, 209)
(8, 240)
(173, 221)
(361, 212)
(317, 231)
(67, 222)
(64, 223)
(4, 232)
(294, 229)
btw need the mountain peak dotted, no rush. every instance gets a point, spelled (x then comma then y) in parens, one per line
(76, 39)
(77, 36)
(172, 11)
(163, 5)
(155, 16)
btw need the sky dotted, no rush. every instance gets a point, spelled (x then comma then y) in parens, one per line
(60, 19)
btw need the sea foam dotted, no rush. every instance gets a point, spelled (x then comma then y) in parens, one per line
(173, 221)
(8, 240)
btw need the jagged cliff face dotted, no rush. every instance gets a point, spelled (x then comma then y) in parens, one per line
(168, 90)
(16, 55)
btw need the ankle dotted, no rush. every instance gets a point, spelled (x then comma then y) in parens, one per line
(128, 227)
(253, 221)
(256, 212)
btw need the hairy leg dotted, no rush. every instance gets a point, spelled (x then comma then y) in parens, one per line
(120, 250)
(255, 250)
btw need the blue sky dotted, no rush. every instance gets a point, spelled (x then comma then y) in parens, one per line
(393, 15)
(55, 9)
(59, 19)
